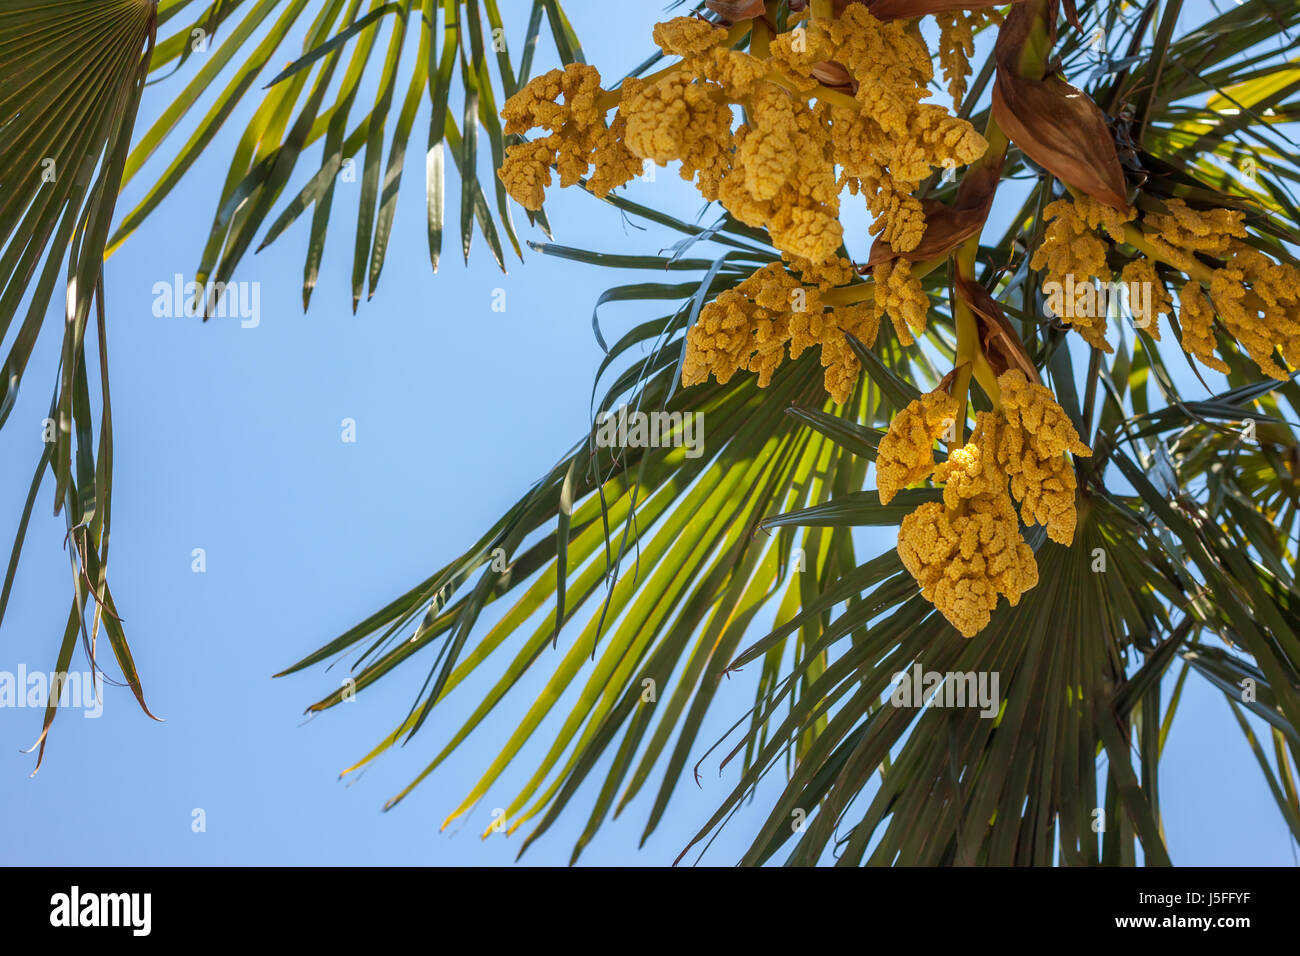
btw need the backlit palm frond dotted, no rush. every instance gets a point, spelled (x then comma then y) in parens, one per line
(70, 86)
(70, 80)
(662, 549)
(317, 97)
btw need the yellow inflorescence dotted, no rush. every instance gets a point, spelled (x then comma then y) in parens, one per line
(1197, 317)
(1071, 247)
(1184, 231)
(1141, 273)
(967, 551)
(964, 561)
(677, 119)
(749, 326)
(579, 137)
(1031, 444)
(688, 36)
(778, 169)
(1256, 298)
(1259, 302)
(972, 470)
(906, 453)
(825, 275)
(780, 178)
(900, 296)
(957, 43)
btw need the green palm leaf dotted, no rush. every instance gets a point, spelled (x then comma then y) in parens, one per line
(69, 88)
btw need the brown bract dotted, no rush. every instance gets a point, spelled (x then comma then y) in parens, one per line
(733, 11)
(946, 228)
(1061, 129)
(1054, 124)
(1002, 346)
(834, 76)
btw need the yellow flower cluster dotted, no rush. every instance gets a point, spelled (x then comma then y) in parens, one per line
(1141, 273)
(1256, 298)
(678, 119)
(781, 178)
(887, 140)
(900, 296)
(957, 43)
(777, 170)
(1197, 317)
(1071, 246)
(967, 551)
(906, 453)
(579, 137)
(1032, 440)
(1259, 302)
(749, 327)
(688, 37)
(1183, 232)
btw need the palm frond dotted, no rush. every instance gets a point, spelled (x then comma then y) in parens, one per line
(72, 76)
(316, 96)
(69, 90)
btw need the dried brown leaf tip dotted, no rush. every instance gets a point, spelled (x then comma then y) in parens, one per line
(1055, 124)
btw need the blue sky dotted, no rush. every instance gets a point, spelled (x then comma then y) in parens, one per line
(229, 439)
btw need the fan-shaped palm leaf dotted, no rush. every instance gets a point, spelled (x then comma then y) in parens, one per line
(69, 88)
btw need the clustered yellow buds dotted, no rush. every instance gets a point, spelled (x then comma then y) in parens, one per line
(749, 326)
(1071, 246)
(906, 453)
(579, 137)
(778, 169)
(1032, 440)
(957, 43)
(1259, 302)
(900, 296)
(1140, 273)
(780, 178)
(967, 551)
(1255, 297)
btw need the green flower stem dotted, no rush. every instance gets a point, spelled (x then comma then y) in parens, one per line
(760, 39)
(1136, 237)
(822, 9)
(866, 291)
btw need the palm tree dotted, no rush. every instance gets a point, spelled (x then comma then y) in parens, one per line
(1182, 557)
